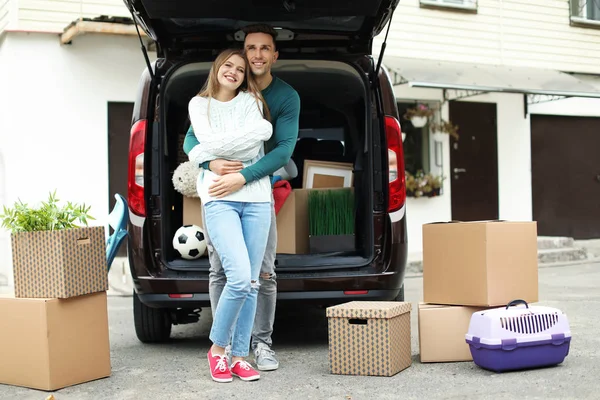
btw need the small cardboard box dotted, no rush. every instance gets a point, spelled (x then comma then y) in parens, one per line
(480, 263)
(50, 344)
(442, 331)
(59, 264)
(369, 338)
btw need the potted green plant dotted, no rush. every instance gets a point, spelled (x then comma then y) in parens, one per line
(331, 220)
(423, 185)
(55, 253)
(419, 115)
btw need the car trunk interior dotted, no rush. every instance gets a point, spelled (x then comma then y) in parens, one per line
(333, 127)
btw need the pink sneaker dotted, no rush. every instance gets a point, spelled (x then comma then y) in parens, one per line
(244, 371)
(219, 370)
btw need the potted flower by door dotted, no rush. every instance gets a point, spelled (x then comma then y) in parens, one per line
(423, 185)
(53, 257)
(419, 115)
(444, 128)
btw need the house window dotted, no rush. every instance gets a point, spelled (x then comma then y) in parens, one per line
(466, 5)
(585, 12)
(416, 143)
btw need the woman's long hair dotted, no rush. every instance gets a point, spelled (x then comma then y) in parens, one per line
(212, 85)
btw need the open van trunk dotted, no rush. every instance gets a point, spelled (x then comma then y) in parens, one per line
(333, 127)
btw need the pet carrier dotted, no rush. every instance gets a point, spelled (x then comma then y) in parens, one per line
(513, 338)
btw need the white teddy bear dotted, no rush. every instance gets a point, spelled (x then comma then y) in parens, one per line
(185, 177)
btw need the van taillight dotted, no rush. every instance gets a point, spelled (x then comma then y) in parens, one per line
(135, 176)
(397, 178)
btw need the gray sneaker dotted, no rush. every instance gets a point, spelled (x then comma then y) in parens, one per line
(265, 358)
(228, 354)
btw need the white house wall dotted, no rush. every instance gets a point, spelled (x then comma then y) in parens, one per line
(535, 33)
(55, 15)
(54, 128)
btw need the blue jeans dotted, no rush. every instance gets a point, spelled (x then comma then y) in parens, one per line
(239, 233)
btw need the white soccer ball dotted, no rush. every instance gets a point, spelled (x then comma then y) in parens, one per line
(189, 242)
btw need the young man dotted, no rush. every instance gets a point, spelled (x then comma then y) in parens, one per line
(284, 106)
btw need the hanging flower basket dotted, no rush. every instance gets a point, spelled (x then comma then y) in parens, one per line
(444, 127)
(419, 115)
(438, 136)
(418, 122)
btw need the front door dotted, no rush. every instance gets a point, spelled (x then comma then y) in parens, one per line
(474, 162)
(119, 124)
(565, 172)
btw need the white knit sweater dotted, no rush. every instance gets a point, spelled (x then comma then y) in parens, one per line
(232, 130)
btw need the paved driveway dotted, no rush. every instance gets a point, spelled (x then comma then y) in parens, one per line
(178, 370)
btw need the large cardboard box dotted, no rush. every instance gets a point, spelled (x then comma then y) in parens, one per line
(59, 264)
(50, 344)
(480, 263)
(369, 338)
(442, 331)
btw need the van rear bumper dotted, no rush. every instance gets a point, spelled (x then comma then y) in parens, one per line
(201, 300)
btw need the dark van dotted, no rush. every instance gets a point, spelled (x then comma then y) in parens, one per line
(348, 114)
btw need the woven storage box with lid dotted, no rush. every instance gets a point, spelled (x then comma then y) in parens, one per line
(515, 338)
(369, 338)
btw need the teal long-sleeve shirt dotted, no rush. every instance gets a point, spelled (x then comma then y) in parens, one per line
(284, 105)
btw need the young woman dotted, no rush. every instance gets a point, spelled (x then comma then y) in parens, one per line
(229, 118)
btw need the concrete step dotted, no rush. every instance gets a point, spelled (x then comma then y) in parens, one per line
(566, 254)
(551, 256)
(554, 242)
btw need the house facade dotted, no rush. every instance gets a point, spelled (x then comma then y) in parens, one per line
(68, 80)
(520, 79)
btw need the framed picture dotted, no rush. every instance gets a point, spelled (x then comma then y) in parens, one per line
(325, 174)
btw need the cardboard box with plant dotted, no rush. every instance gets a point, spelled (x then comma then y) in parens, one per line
(53, 256)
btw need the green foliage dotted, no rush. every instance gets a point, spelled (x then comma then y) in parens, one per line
(331, 212)
(48, 217)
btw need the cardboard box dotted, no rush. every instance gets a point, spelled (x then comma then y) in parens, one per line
(292, 224)
(192, 211)
(50, 344)
(481, 263)
(59, 264)
(442, 331)
(369, 338)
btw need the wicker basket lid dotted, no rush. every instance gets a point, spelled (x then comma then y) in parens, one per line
(369, 309)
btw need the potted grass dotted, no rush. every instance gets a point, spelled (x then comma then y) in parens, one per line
(331, 220)
(55, 253)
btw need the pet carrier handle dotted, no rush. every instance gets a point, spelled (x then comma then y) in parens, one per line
(515, 302)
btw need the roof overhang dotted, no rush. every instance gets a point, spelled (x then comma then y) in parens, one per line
(475, 79)
(102, 24)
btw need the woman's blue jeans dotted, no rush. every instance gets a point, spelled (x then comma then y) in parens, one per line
(239, 233)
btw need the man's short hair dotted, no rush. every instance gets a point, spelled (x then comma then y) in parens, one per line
(261, 28)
